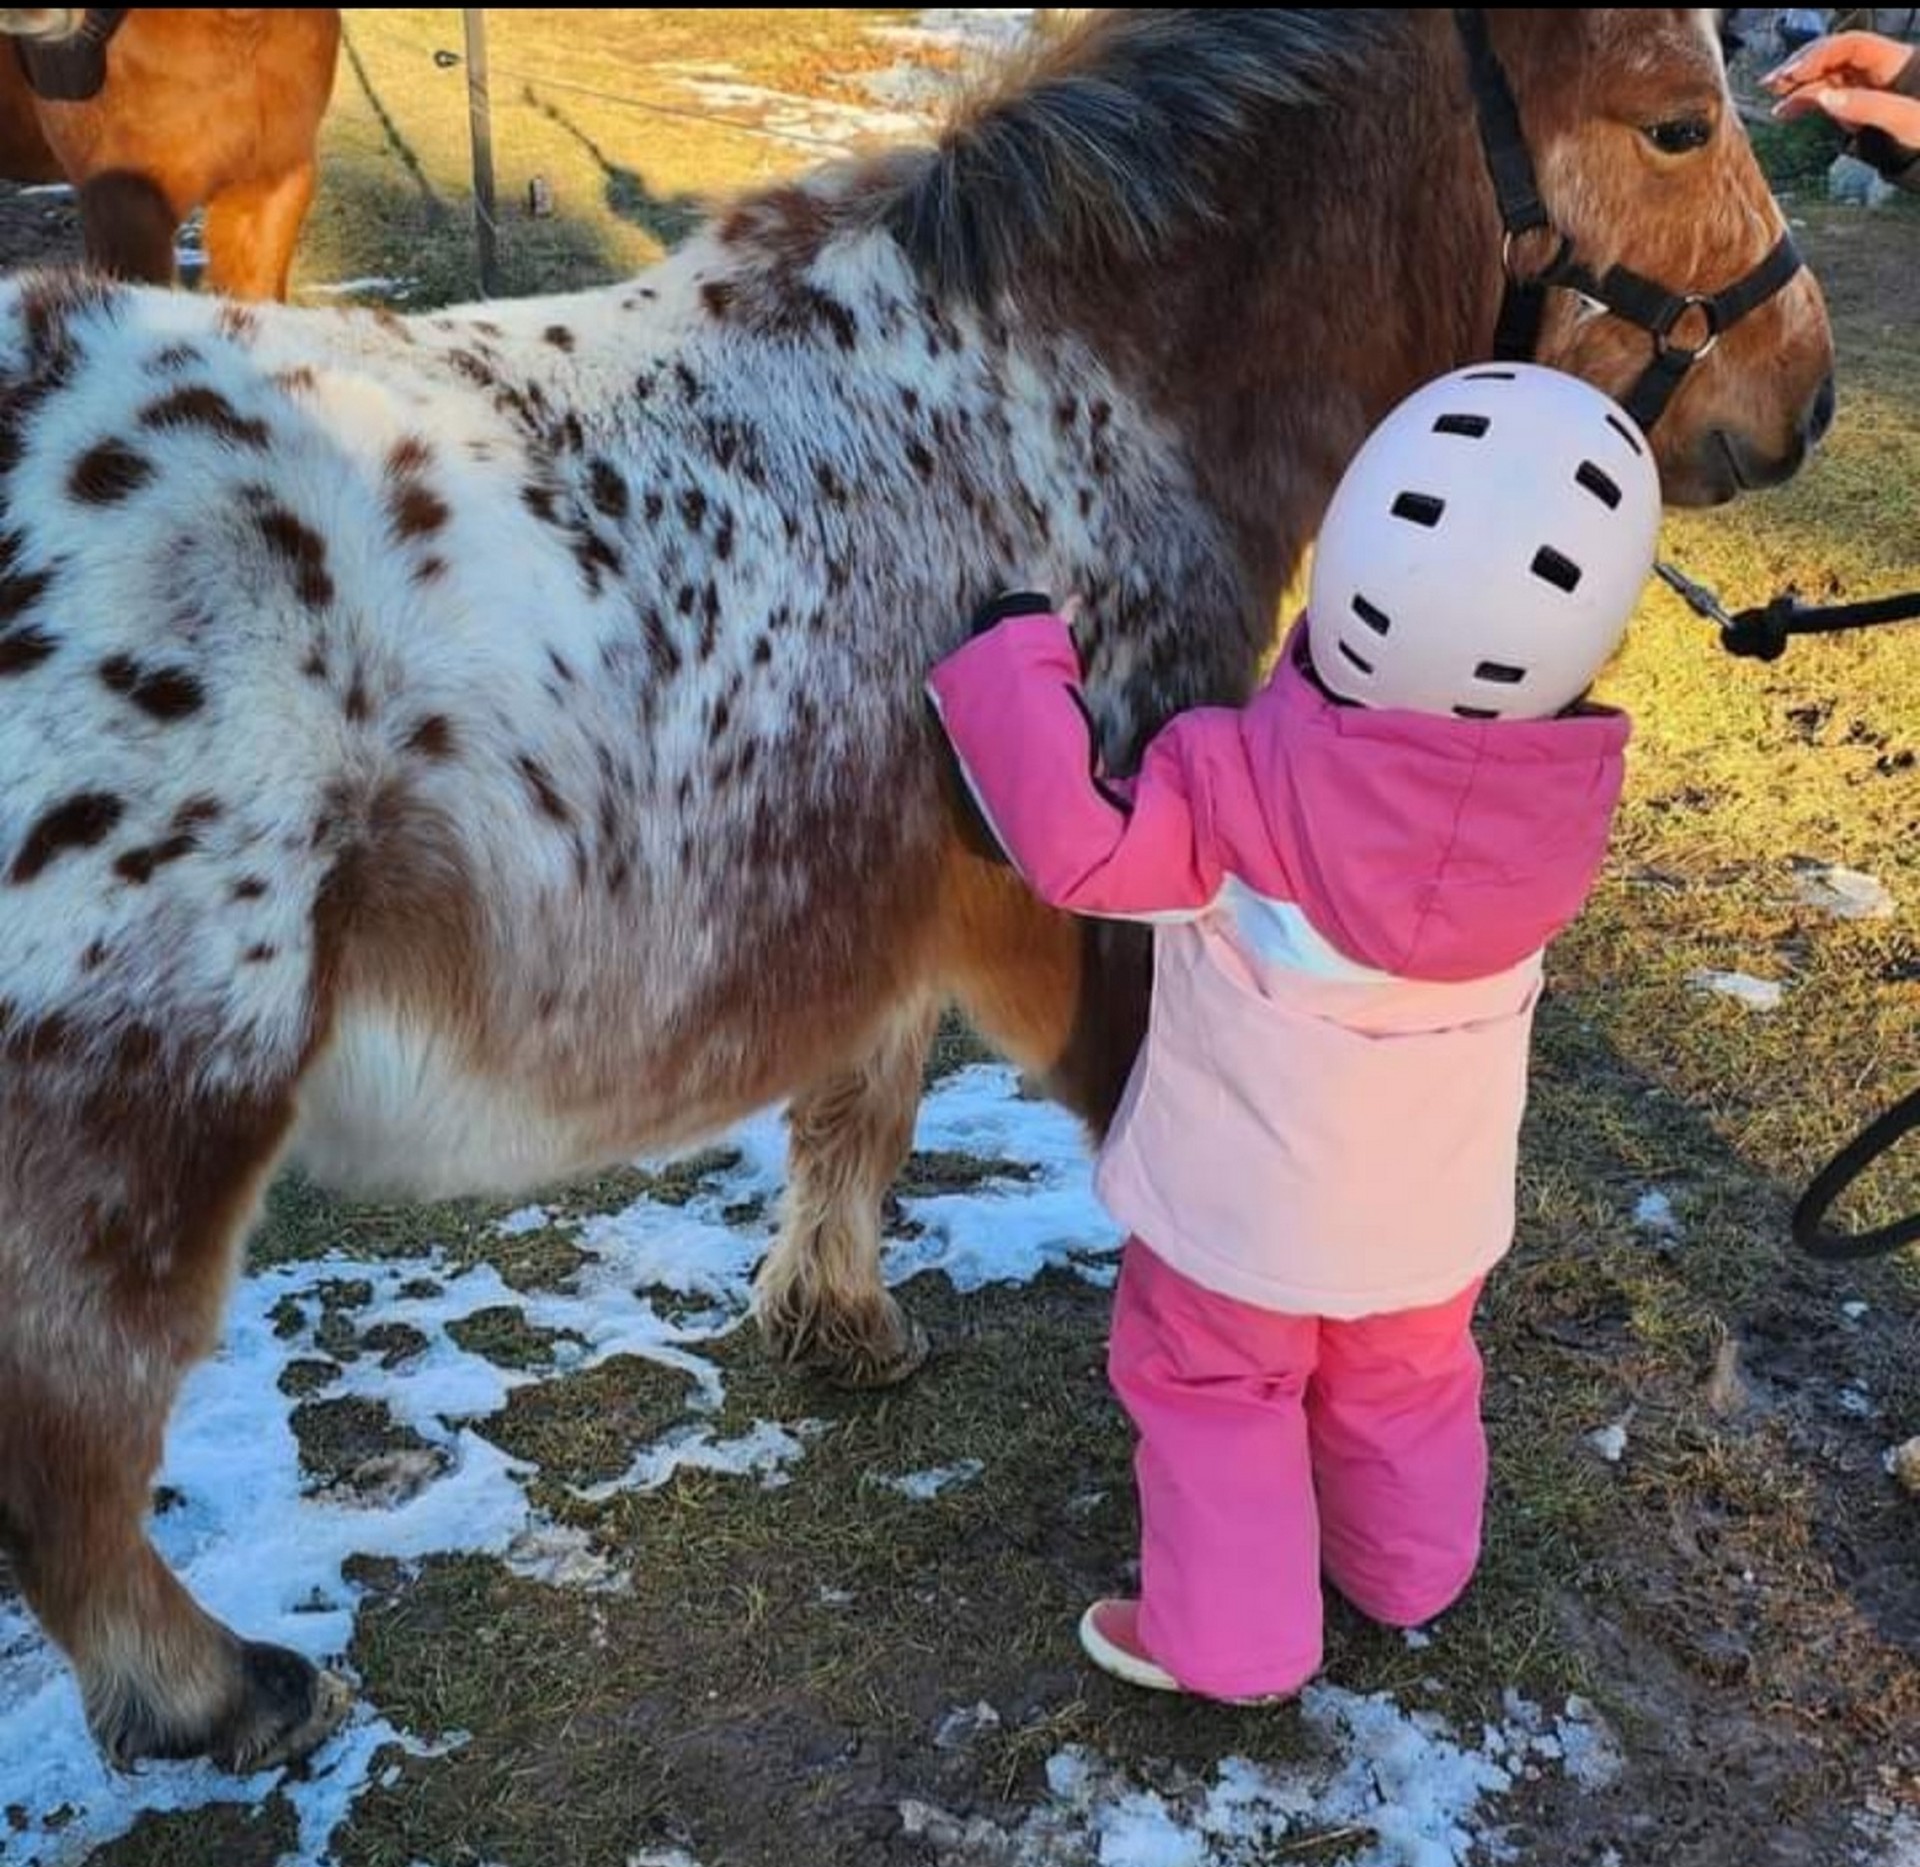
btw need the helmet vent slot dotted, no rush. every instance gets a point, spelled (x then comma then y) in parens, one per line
(1419, 509)
(1372, 615)
(1553, 567)
(1625, 433)
(1603, 486)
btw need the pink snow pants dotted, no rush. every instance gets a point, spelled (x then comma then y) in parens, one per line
(1275, 1447)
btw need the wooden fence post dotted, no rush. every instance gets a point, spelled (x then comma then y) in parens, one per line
(480, 126)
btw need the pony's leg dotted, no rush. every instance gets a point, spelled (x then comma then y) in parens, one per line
(129, 226)
(159, 1677)
(1109, 1020)
(819, 1298)
(25, 153)
(1064, 999)
(117, 1247)
(251, 231)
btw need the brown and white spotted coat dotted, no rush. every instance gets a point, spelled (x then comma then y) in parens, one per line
(456, 751)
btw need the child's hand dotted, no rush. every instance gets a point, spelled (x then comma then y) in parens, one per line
(1013, 603)
(1008, 604)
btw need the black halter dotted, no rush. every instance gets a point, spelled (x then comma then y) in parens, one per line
(1626, 294)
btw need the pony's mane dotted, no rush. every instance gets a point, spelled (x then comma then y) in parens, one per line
(1112, 139)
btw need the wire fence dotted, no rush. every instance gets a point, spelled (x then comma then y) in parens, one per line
(445, 58)
(513, 89)
(520, 78)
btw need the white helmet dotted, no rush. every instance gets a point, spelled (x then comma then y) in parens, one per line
(1485, 548)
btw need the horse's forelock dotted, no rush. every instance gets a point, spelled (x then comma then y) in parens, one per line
(1110, 141)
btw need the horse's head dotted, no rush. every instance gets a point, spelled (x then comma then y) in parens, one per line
(43, 24)
(1272, 224)
(1645, 171)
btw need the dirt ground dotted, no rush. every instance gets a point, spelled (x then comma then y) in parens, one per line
(38, 229)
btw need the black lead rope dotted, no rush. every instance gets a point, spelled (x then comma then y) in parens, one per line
(1763, 634)
(1810, 1231)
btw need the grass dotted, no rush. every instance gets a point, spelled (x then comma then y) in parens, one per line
(1796, 154)
(591, 104)
(583, 1428)
(1738, 1591)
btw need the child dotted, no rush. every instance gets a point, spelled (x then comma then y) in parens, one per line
(1351, 880)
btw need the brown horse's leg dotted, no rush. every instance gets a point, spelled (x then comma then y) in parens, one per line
(251, 231)
(819, 1297)
(1064, 999)
(159, 1677)
(1109, 1020)
(120, 1218)
(129, 226)
(25, 153)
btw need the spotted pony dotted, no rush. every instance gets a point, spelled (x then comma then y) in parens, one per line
(456, 751)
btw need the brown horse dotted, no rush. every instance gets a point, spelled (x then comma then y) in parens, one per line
(458, 750)
(214, 107)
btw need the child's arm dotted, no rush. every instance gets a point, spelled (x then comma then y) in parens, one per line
(1142, 848)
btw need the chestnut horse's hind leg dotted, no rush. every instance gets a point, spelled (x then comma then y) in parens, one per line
(129, 226)
(121, 1212)
(819, 1297)
(252, 230)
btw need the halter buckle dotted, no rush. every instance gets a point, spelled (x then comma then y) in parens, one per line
(1509, 256)
(1679, 307)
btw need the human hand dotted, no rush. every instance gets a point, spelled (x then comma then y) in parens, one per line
(1850, 59)
(1848, 77)
(1008, 604)
(1012, 603)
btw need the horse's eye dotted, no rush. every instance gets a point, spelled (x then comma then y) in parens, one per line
(1679, 136)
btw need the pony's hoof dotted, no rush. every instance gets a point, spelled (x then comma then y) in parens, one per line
(291, 1707)
(876, 1344)
(888, 1367)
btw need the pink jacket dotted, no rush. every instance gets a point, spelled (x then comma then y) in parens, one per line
(1351, 907)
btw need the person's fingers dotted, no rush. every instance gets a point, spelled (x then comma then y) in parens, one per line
(1800, 104)
(1861, 60)
(1859, 110)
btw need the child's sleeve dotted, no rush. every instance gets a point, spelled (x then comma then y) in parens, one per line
(1142, 848)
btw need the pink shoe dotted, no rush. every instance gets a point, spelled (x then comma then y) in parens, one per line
(1110, 1636)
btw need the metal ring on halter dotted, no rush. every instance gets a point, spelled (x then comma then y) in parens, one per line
(1562, 256)
(1663, 332)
